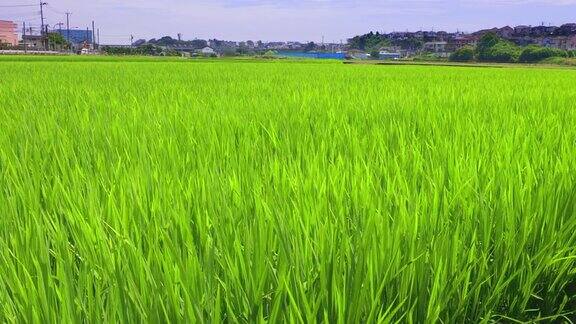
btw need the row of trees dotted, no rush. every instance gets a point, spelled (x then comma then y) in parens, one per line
(492, 48)
(169, 41)
(148, 49)
(368, 42)
(374, 41)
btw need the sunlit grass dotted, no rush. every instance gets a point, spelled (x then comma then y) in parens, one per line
(247, 192)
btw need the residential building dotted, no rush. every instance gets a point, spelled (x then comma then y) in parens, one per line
(442, 35)
(522, 30)
(208, 51)
(505, 32)
(8, 33)
(435, 47)
(547, 42)
(385, 55)
(566, 43)
(33, 41)
(390, 49)
(483, 32)
(463, 40)
(566, 29)
(541, 31)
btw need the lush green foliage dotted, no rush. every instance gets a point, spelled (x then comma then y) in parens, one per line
(533, 54)
(429, 57)
(270, 54)
(487, 41)
(464, 54)
(492, 48)
(166, 191)
(147, 49)
(560, 61)
(169, 41)
(56, 40)
(369, 42)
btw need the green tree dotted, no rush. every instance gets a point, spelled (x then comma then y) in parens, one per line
(487, 41)
(369, 42)
(375, 54)
(464, 54)
(199, 43)
(56, 40)
(492, 48)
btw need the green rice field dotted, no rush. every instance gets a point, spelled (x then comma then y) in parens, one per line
(179, 191)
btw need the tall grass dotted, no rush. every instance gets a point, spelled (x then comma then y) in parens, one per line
(261, 192)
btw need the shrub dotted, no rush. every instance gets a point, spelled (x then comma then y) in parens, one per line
(464, 54)
(537, 53)
(504, 52)
(270, 54)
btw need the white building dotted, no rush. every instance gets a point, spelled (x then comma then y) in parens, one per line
(435, 47)
(385, 55)
(208, 51)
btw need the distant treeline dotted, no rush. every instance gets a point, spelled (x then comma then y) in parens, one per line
(148, 50)
(492, 48)
(374, 41)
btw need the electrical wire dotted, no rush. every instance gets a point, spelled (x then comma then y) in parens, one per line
(18, 6)
(54, 10)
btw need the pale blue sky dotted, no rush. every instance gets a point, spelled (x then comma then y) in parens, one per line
(302, 20)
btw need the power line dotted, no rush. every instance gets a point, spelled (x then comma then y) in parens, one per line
(115, 37)
(17, 6)
(51, 8)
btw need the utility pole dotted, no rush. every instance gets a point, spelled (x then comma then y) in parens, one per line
(93, 36)
(24, 36)
(179, 37)
(47, 39)
(68, 30)
(42, 33)
(87, 38)
(131, 41)
(98, 35)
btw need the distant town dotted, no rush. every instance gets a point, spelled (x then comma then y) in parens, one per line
(394, 45)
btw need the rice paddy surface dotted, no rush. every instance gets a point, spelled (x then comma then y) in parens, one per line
(166, 191)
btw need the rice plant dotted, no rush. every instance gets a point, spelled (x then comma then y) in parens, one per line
(224, 191)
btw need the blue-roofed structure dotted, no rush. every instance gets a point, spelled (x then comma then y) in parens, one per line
(77, 36)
